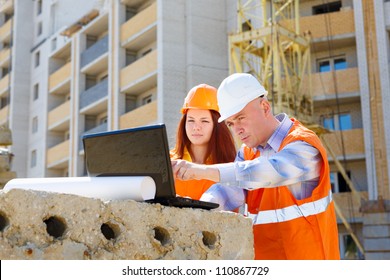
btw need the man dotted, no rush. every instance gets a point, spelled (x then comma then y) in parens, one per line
(281, 172)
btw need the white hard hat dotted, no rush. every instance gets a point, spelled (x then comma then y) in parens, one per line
(235, 92)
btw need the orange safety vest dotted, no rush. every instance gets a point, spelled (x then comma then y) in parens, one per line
(192, 188)
(287, 228)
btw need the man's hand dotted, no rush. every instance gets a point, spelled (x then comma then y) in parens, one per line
(185, 170)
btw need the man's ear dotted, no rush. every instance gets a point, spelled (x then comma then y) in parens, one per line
(265, 105)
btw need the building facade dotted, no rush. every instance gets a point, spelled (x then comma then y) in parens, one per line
(115, 64)
(104, 65)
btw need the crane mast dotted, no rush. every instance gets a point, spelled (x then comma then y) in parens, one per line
(269, 44)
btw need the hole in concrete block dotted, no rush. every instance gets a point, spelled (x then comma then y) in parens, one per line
(3, 221)
(28, 251)
(209, 239)
(55, 226)
(110, 231)
(161, 235)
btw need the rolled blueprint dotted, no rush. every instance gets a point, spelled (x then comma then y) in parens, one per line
(138, 188)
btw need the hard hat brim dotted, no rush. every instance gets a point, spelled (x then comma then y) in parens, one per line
(238, 108)
(232, 112)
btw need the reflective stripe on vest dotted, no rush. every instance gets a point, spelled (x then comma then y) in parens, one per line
(291, 212)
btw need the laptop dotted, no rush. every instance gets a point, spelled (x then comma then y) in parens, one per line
(139, 151)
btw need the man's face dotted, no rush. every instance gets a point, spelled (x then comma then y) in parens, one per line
(251, 124)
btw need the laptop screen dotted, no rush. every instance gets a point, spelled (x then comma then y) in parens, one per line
(140, 151)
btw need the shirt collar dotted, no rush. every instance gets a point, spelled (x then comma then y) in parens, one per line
(279, 134)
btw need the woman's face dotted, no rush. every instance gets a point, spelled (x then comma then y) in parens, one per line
(199, 126)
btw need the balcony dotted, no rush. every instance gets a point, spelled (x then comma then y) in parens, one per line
(59, 117)
(143, 115)
(5, 57)
(141, 75)
(338, 26)
(6, 6)
(94, 56)
(329, 24)
(141, 29)
(58, 156)
(4, 115)
(59, 81)
(4, 84)
(343, 82)
(94, 99)
(353, 140)
(5, 31)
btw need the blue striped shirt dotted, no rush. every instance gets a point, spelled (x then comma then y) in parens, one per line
(296, 166)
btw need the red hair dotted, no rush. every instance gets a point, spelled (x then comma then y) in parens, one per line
(220, 148)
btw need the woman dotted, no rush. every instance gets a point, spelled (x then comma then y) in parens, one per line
(200, 138)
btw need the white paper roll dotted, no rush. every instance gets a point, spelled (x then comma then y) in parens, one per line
(138, 188)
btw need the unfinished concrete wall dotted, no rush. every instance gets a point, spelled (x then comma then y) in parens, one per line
(42, 225)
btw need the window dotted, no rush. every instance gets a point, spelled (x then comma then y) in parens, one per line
(328, 123)
(247, 26)
(324, 66)
(7, 17)
(91, 40)
(33, 162)
(332, 64)
(146, 52)
(130, 12)
(340, 64)
(66, 135)
(327, 8)
(341, 121)
(130, 103)
(338, 182)
(348, 248)
(103, 78)
(345, 122)
(37, 59)
(35, 125)
(3, 102)
(39, 7)
(147, 99)
(36, 92)
(39, 28)
(90, 81)
(103, 120)
(130, 57)
(4, 71)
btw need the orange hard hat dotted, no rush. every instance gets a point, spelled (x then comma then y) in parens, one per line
(201, 96)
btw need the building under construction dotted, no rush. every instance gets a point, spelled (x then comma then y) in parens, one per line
(113, 64)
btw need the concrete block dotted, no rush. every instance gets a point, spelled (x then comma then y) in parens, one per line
(42, 225)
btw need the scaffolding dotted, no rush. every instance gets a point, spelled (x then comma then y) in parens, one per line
(271, 47)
